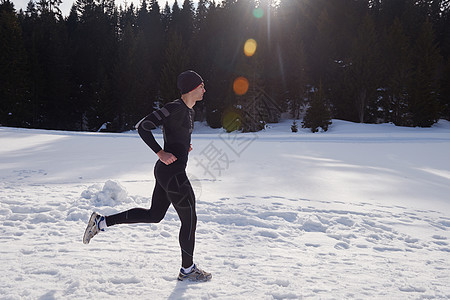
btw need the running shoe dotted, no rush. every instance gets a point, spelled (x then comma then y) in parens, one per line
(195, 275)
(93, 227)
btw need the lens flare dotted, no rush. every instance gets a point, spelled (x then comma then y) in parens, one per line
(240, 86)
(258, 13)
(231, 121)
(250, 47)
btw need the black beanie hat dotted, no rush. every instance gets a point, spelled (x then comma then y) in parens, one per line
(188, 81)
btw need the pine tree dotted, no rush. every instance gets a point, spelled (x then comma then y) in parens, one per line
(186, 21)
(124, 79)
(93, 48)
(323, 49)
(254, 106)
(53, 46)
(149, 55)
(174, 21)
(297, 82)
(36, 76)
(424, 86)
(397, 62)
(445, 91)
(269, 52)
(363, 70)
(176, 61)
(293, 63)
(142, 15)
(15, 106)
(444, 31)
(166, 16)
(317, 115)
(45, 39)
(209, 56)
(258, 105)
(200, 15)
(294, 126)
(72, 22)
(50, 6)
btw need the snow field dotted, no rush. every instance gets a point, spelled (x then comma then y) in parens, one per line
(361, 211)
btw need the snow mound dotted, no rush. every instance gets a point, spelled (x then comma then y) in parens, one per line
(112, 194)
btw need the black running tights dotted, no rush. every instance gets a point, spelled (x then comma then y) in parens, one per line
(172, 187)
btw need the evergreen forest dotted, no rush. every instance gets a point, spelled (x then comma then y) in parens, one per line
(105, 66)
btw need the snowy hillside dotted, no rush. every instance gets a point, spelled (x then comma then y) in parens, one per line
(361, 211)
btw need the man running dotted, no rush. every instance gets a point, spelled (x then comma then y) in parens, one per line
(172, 185)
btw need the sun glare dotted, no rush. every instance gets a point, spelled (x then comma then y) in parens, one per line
(250, 47)
(258, 13)
(240, 86)
(231, 121)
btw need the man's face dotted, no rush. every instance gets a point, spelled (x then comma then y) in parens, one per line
(198, 92)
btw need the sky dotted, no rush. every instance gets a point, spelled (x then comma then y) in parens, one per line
(67, 4)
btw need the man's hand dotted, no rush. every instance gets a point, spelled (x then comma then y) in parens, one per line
(166, 157)
(190, 148)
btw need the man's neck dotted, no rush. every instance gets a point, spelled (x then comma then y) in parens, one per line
(189, 101)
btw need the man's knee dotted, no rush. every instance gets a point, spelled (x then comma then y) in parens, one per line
(157, 219)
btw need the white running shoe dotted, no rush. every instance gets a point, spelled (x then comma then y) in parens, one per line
(93, 227)
(195, 275)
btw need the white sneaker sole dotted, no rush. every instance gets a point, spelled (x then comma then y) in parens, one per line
(91, 224)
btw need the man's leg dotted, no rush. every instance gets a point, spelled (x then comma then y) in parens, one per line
(157, 211)
(183, 199)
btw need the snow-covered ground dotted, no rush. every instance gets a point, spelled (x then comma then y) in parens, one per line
(361, 211)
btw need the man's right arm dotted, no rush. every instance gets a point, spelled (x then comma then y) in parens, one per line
(145, 127)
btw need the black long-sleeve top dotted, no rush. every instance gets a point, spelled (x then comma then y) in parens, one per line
(177, 122)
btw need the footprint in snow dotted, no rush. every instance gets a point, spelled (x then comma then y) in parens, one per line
(341, 246)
